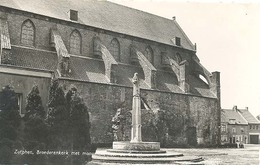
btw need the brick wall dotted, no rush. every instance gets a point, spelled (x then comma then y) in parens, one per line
(185, 111)
(238, 134)
(23, 85)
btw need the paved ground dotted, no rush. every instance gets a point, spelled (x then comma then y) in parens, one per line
(235, 156)
(223, 156)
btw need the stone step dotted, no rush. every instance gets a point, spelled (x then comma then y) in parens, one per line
(136, 151)
(107, 153)
(147, 160)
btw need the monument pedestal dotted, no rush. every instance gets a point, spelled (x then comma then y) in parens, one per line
(136, 146)
(124, 152)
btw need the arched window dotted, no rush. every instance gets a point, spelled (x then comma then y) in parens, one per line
(115, 49)
(149, 54)
(178, 58)
(28, 33)
(75, 42)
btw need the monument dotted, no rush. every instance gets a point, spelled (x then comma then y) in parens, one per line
(136, 151)
(136, 134)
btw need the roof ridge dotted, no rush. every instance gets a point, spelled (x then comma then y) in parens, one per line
(34, 48)
(146, 12)
(184, 34)
(238, 111)
(173, 20)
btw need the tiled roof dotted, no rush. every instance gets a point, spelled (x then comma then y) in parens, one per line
(87, 70)
(167, 81)
(230, 114)
(32, 58)
(93, 70)
(109, 16)
(249, 117)
(125, 73)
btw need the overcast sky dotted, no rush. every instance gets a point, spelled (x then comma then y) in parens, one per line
(228, 41)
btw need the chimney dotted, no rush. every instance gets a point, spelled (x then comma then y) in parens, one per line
(235, 108)
(247, 108)
(174, 18)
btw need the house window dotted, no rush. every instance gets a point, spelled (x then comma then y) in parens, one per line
(234, 130)
(75, 42)
(232, 121)
(250, 126)
(256, 126)
(242, 130)
(115, 49)
(223, 128)
(149, 54)
(224, 138)
(27, 33)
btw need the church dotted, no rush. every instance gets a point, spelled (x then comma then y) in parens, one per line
(97, 46)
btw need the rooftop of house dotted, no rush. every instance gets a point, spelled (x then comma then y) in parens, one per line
(108, 16)
(232, 116)
(238, 116)
(248, 116)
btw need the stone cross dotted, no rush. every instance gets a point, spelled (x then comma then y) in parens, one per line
(136, 135)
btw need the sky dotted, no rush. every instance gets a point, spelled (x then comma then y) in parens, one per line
(227, 35)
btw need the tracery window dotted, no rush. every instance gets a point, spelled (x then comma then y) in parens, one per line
(27, 33)
(115, 49)
(178, 58)
(149, 54)
(75, 42)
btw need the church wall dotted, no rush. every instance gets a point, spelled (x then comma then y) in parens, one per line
(42, 39)
(182, 111)
(23, 85)
(186, 112)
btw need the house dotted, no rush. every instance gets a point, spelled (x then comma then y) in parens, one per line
(253, 126)
(233, 126)
(98, 46)
(239, 125)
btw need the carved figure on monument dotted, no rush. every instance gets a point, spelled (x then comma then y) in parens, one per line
(136, 88)
(118, 125)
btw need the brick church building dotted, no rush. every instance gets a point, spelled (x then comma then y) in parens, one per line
(98, 46)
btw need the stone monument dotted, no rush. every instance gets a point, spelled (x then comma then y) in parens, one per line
(136, 134)
(136, 151)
